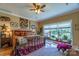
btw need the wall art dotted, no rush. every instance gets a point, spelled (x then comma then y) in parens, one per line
(4, 18)
(23, 23)
(14, 24)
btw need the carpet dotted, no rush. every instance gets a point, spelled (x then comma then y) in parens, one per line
(48, 50)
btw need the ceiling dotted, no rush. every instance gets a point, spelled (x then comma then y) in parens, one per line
(51, 10)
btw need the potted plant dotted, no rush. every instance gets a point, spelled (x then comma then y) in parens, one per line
(65, 38)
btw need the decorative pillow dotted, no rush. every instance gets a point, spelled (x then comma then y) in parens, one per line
(22, 40)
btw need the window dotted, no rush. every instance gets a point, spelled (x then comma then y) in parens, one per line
(60, 31)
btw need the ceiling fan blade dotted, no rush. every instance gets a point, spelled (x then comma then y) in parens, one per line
(0, 26)
(34, 4)
(43, 6)
(42, 10)
(32, 9)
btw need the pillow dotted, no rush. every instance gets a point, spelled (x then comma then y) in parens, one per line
(22, 40)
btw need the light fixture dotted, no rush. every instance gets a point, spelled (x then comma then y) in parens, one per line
(37, 8)
(37, 11)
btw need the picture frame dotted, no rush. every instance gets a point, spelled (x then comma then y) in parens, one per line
(24, 23)
(33, 26)
(4, 18)
(14, 24)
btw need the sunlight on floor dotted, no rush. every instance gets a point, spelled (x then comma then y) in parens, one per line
(50, 44)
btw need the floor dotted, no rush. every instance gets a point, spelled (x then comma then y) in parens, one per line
(48, 50)
(5, 52)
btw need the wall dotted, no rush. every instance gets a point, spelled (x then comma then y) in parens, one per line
(14, 19)
(75, 22)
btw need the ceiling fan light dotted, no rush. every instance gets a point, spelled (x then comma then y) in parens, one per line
(37, 11)
(38, 8)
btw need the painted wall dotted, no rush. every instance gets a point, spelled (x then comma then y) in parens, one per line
(14, 19)
(75, 24)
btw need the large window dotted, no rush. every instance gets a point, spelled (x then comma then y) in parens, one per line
(60, 31)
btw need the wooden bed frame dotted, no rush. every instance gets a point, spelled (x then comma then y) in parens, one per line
(36, 41)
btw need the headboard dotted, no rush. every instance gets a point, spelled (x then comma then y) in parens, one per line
(19, 32)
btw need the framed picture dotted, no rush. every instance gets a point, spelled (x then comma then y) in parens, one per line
(4, 18)
(23, 23)
(33, 27)
(13, 24)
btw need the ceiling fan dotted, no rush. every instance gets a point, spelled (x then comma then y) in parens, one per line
(38, 8)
